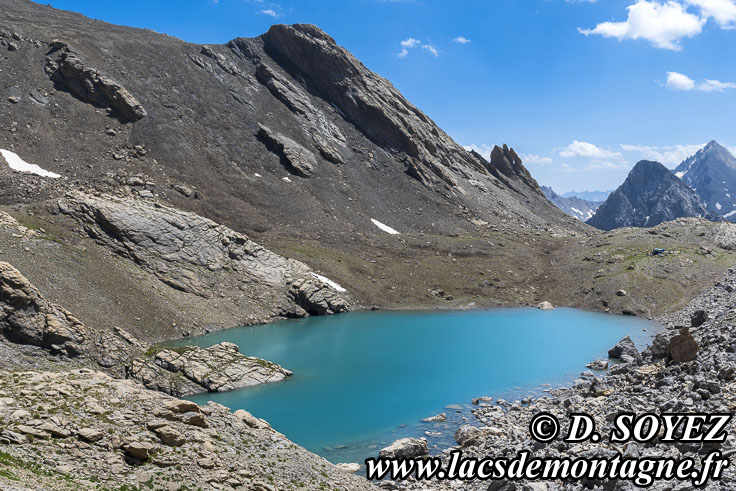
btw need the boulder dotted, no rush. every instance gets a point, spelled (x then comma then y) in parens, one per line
(598, 365)
(545, 306)
(405, 448)
(90, 434)
(621, 293)
(468, 436)
(219, 368)
(683, 347)
(137, 449)
(625, 350)
(698, 318)
(170, 436)
(437, 417)
(180, 406)
(348, 467)
(251, 420)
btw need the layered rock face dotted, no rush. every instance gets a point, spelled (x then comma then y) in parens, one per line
(73, 73)
(26, 317)
(219, 368)
(197, 256)
(650, 195)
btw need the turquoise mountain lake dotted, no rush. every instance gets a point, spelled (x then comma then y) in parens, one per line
(364, 379)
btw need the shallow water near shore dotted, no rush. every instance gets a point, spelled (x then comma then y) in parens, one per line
(364, 379)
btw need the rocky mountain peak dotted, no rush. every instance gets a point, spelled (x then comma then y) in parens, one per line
(367, 100)
(506, 163)
(650, 195)
(711, 172)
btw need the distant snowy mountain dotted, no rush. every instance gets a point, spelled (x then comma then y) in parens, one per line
(594, 196)
(711, 173)
(581, 209)
(650, 195)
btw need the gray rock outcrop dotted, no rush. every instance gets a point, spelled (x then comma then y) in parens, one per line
(191, 370)
(296, 158)
(70, 70)
(27, 317)
(405, 448)
(193, 254)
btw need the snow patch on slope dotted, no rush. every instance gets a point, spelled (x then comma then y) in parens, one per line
(384, 227)
(18, 164)
(328, 281)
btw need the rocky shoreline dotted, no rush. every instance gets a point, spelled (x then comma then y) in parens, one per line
(689, 368)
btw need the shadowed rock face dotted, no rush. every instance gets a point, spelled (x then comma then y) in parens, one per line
(28, 318)
(650, 195)
(71, 72)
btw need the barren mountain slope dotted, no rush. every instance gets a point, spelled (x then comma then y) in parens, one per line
(231, 122)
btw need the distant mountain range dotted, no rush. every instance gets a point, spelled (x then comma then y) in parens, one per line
(582, 209)
(711, 173)
(650, 195)
(594, 196)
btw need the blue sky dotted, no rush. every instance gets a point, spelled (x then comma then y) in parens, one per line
(582, 89)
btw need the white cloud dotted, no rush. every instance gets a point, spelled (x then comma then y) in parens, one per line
(606, 165)
(722, 11)
(662, 24)
(406, 44)
(531, 158)
(462, 40)
(431, 49)
(483, 149)
(411, 43)
(715, 86)
(270, 12)
(669, 156)
(585, 149)
(568, 168)
(679, 81)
